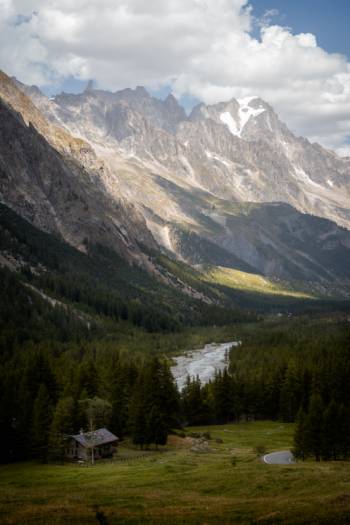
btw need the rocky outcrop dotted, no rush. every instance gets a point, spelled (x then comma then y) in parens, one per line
(54, 181)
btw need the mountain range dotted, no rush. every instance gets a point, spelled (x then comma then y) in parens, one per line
(227, 190)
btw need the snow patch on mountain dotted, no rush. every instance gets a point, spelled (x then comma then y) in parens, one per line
(165, 238)
(245, 112)
(227, 119)
(216, 157)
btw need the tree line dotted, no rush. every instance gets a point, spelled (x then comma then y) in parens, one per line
(53, 362)
(295, 371)
(46, 398)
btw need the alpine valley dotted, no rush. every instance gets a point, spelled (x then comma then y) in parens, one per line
(174, 314)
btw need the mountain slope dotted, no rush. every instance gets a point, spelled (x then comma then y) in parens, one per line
(237, 149)
(100, 283)
(190, 178)
(44, 179)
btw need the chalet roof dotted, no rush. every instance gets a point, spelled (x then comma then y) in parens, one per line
(96, 438)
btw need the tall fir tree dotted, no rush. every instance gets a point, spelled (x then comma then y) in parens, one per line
(300, 444)
(314, 426)
(42, 417)
(63, 424)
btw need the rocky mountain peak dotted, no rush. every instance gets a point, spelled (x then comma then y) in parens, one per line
(215, 174)
(141, 91)
(234, 114)
(90, 86)
(11, 92)
(172, 102)
(237, 149)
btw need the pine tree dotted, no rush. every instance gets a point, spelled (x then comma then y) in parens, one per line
(63, 423)
(193, 404)
(137, 413)
(331, 432)
(119, 393)
(344, 431)
(89, 377)
(157, 431)
(300, 448)
(42, 416)
(314, 426)
(291, 393)
(168, 396)
(223, 397)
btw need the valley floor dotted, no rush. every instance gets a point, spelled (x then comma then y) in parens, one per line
(229, 484)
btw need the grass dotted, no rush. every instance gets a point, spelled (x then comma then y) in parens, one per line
(249, 282)
(177, 486)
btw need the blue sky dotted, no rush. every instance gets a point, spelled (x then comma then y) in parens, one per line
(328, 20)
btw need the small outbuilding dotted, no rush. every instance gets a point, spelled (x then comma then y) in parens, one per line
(93, 445)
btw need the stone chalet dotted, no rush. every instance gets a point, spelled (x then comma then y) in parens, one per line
(102, 441)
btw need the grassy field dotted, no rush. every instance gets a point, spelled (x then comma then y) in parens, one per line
(251, 283)
(177, 486)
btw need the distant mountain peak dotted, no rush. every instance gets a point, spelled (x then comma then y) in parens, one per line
(90, 86)
(142, 91)
(236, 149)
(171, 100)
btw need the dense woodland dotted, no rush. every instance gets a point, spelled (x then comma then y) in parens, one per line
(292, 370)
(56, 366)
(76, 339)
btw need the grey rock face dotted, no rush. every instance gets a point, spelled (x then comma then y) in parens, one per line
(231, 175)
(60, 189)
(237, 149)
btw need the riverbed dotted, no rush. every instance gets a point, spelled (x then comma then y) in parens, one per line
(202, 363)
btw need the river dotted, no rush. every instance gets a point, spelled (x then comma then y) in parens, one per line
(202, 363)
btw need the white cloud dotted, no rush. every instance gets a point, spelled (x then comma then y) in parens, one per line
(201, 47)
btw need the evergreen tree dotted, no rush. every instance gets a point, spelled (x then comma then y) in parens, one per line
(314, 426)
(291, 393)
(118, 392)
(300, 445)
(157, 430)
(89, 379)
(42, 416)
(137, 413)
(331, 432)
(223, 399)
(194, 407)
(63, 424)
(169, 401)
(343, 431)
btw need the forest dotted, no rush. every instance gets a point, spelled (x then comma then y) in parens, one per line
(74, 336)
(54, 365)
(288, 370)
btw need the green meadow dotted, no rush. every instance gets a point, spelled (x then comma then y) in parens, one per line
(226, 484)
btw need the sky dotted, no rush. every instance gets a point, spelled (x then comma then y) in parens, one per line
(295, 54)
